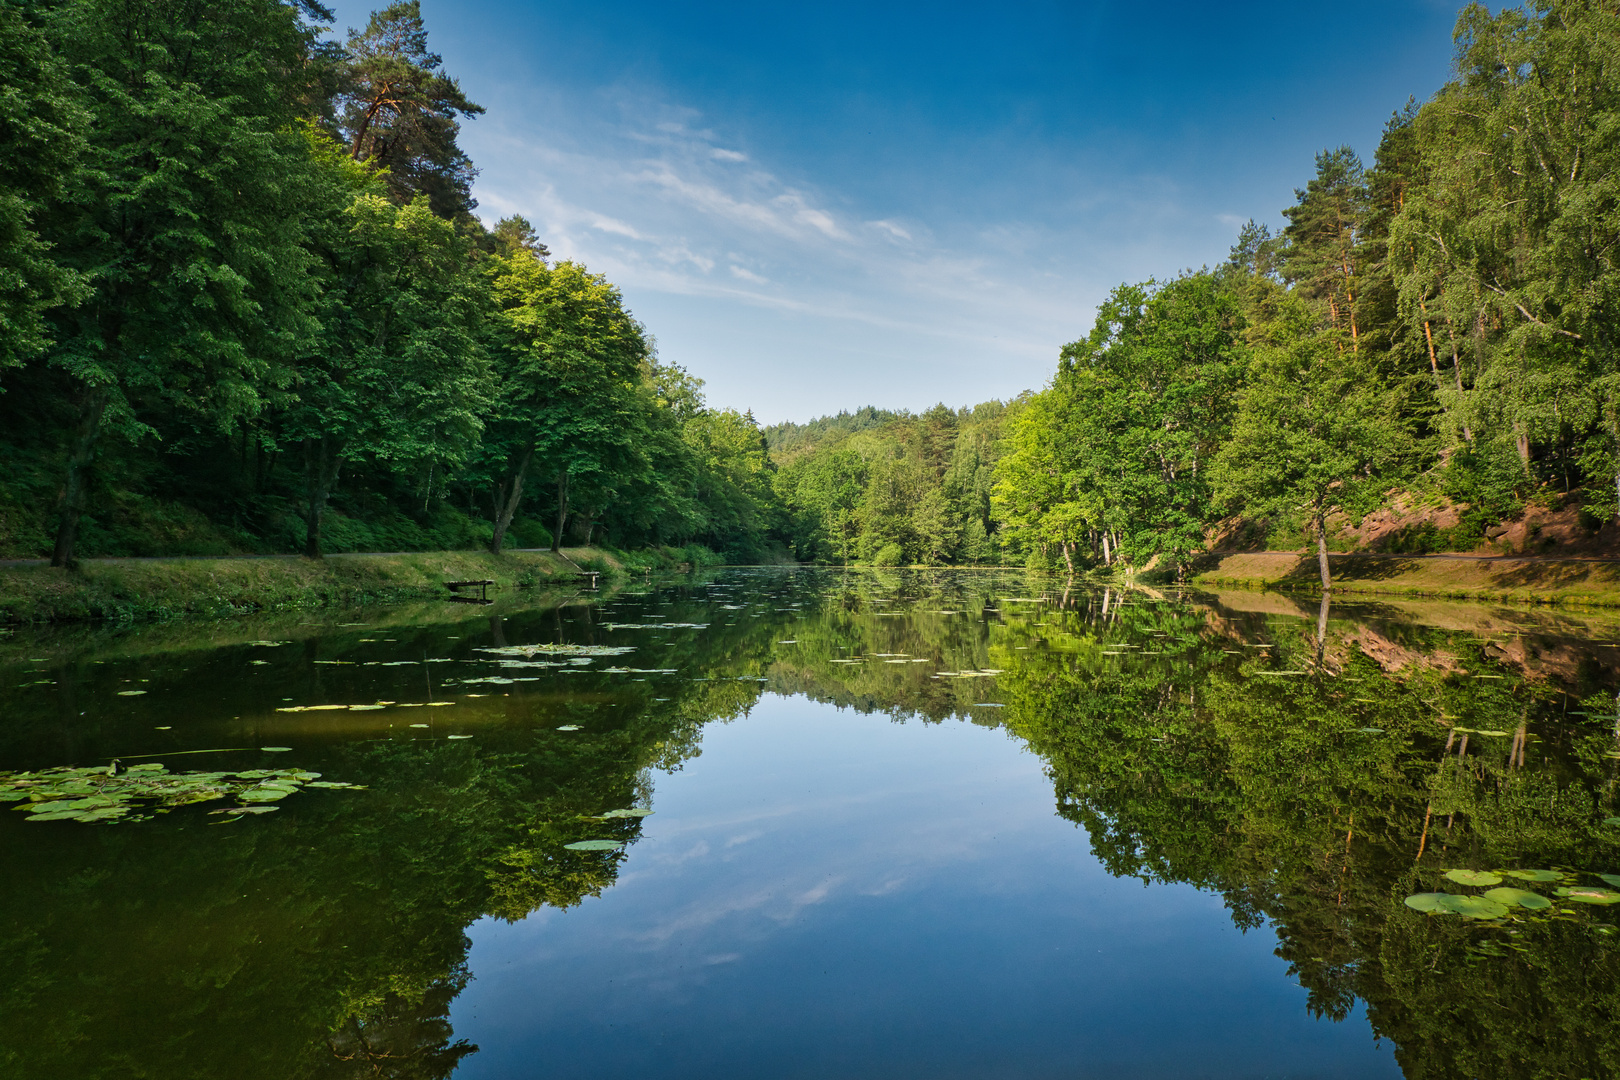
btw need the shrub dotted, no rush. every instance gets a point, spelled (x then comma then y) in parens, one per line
(889, 555)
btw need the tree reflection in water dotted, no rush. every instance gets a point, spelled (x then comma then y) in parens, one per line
(1313, 767)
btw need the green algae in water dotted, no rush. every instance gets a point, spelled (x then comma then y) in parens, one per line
(594, 845)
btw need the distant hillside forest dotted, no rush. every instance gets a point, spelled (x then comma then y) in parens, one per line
(246, 306)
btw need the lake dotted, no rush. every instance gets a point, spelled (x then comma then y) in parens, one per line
(816, 823)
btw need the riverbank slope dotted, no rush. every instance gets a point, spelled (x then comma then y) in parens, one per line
(144, 589)
(1510, 578)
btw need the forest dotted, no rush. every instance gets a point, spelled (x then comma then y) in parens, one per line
(248, 307)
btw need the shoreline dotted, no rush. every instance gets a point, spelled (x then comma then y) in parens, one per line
(1588, 581)
(152, 589)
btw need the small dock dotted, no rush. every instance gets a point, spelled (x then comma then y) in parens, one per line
(456, 591)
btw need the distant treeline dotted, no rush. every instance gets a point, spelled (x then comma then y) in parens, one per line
(245, 306)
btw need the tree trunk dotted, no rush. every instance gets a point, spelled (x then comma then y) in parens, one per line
(1108, 554)
(1428, 337)
(83, 454)
(562, 510)
(321, 466)
(1321, 554)
(1456, 373)
(506, 509)
(1068, 560)
(1522, 439)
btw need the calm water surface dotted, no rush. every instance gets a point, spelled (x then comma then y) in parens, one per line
(902, 824)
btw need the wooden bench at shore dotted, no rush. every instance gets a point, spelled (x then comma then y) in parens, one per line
(482, 586)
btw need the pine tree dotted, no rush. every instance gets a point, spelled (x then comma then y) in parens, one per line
(397, 111)
(1321, 257)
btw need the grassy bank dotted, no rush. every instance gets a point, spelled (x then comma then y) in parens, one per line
(1512, 580)
(144, 589)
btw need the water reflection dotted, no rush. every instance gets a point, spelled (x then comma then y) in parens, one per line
(1312, 767)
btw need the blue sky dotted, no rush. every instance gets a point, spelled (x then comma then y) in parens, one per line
(816, 207)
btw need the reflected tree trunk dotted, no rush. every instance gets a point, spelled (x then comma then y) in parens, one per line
(1322, 552)
(1321, 626)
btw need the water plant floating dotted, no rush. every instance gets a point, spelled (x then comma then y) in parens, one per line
(1473, 877)
(107, 795)
(528, 651)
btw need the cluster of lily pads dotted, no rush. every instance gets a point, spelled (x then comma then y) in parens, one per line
(531, 651)
(1499, 900)
(110, 794)
(606, 845)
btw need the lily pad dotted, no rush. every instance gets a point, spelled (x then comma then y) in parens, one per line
(1473, 877)
(635, 812)
(458, 736)
(569, 727)
(276, 749)
(1522, 897)
(594, 845)
(1612, 879)
(1534, 875)
(1611, 821)
(131, 693)
(259, 795)
(1476, 907)
(1586, 895)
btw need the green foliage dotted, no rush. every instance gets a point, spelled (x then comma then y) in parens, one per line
(397, 111)
(863, 486)
(1312, 432)
(1449, 314)
(42, 146)
(1115, 457)
(248, 252)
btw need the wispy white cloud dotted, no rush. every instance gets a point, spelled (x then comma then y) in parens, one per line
(890, 228)
(891, 309)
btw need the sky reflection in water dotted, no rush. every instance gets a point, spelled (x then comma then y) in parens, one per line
(823, 893)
